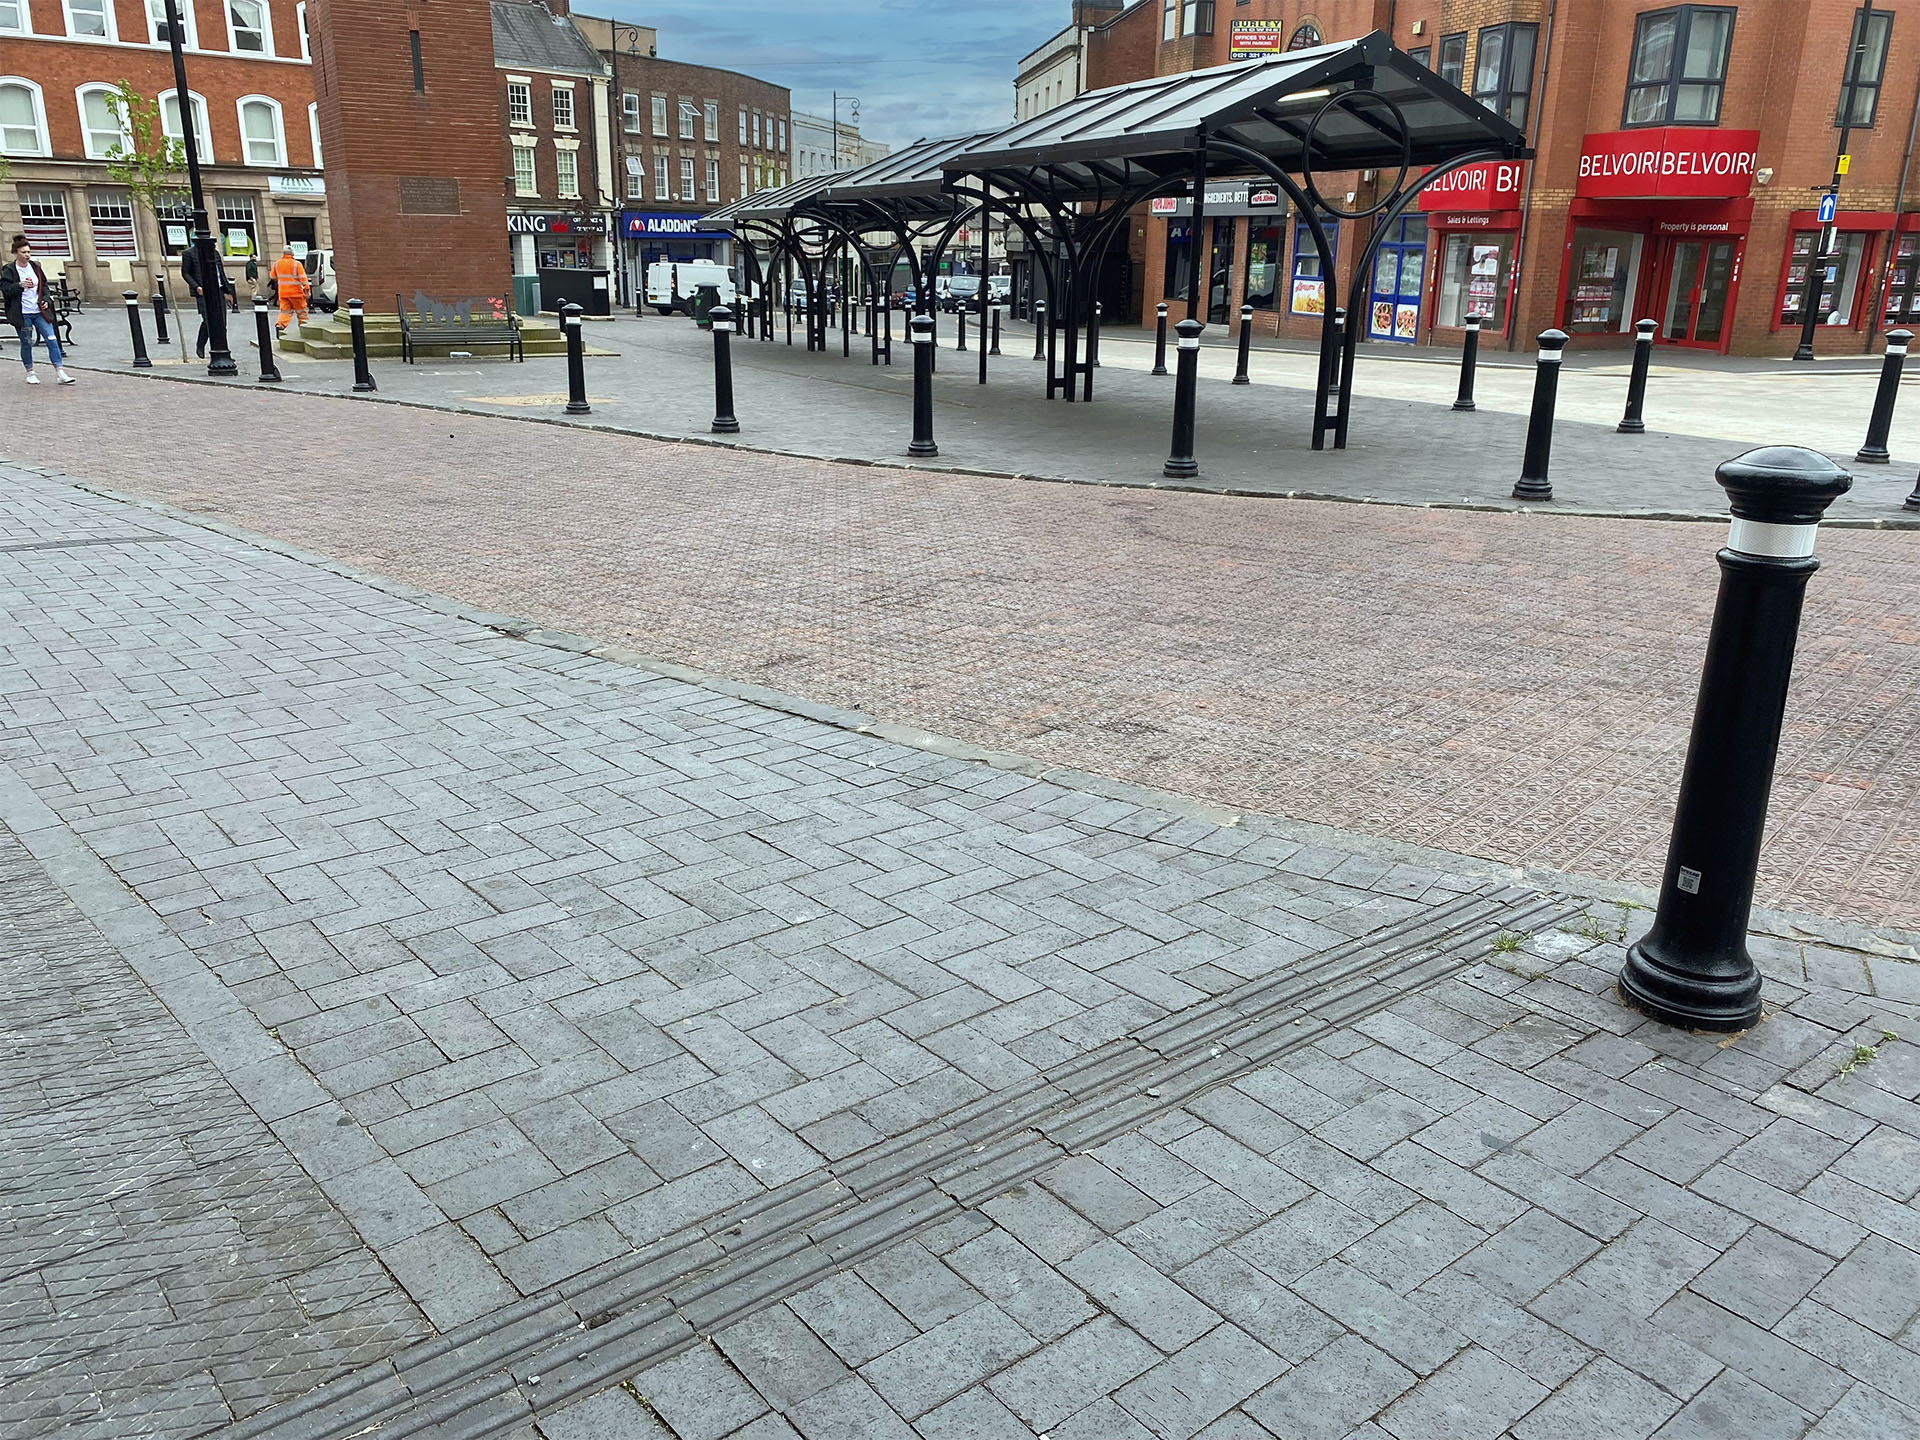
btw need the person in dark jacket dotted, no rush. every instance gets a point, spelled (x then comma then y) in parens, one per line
(29, 305)
(190, 272)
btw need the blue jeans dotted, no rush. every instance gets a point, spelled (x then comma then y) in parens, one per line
(39, 325)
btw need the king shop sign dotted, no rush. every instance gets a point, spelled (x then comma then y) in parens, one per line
(1488, 185)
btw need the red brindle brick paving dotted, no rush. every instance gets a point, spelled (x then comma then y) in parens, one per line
(1511, 686)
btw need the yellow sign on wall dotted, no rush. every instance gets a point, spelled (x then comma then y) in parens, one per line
(1256, 39)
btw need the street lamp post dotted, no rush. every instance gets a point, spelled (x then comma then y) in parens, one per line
(614, 27)
(853, 102)
(213, 297)
(1830, 198)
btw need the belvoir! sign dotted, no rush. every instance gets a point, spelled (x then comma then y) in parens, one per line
(1489, 185)
(1677, 161)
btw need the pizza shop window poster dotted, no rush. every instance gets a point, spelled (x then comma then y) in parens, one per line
(1309, 280)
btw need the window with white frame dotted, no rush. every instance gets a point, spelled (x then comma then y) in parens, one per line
(636, 178)
(660, 115)
(110, 213)
(525, 182)
(630, 113)
(566, 169)
(689, 112)
(261, 140)
(157, 29)
(23, 123)
(519, 102)
(14, 19)
(102, 132)
(756, 129)
(713, 182)
(300, 24)
(686, 177)
(313, 132)
(782, 146)
(43, 219)
(743, 180)
(249, 27)
(90, 19)
(743, 125)
(712, 117)
(662, 188)
(562, 106)
(170, 123)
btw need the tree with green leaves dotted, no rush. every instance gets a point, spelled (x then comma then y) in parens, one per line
(149, 162)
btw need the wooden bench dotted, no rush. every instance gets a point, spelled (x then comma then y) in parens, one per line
(458, 324)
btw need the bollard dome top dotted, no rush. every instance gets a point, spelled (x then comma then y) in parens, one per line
(1189, 328)
(1899, 337)
(1553, 339)
(132, 297)
(1782, 485)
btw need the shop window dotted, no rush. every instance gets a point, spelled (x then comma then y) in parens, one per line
(261, 142)
(562, 106)
(1474, 269)
(1601, 280)
(43, 219)
(90, 19)
(158, 30)
(1220, 272)
(1399, 278)
(235, 224)
(1679, 66)
(1179, 241)
(110, 212)
(170, 122)
(13, 17)
(660, 115)
(249, 27)
(1903, 283)
(102, 131)
(519, 103)
(630, 113)
(23, 129)
(1266, 251)
(1309, 293)
(1866, 67)
(525, 180)
(1453, 59)
(1503, 70)
(1838, 291)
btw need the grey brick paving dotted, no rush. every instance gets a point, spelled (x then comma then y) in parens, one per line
(563, 981)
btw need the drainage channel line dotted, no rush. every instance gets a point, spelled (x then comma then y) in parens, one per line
(611, 1322)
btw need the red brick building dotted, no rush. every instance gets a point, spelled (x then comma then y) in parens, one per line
(1679, 151)
(253, 108)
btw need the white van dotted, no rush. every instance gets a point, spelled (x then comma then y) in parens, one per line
(672, 284)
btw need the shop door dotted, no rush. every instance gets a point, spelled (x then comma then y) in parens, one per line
(1399, 270)
(1697, 277)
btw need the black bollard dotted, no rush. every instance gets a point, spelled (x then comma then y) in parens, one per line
(1093, 337)
(1040, 330)
(357, 325)
(724, 422)
(1246, 345)
(140, 360)
(1533, 483)
(1180, 464)
(160, 336)
(922, 332)
(1913, 500)
(1469, 364)
(996, 331)
(571, 322)
(1692, 968)
(962, 345)
(1874, 452)
(1633, 422)
(1160, 341)
(263, 334)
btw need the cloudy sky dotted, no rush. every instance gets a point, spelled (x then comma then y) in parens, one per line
(920, 67)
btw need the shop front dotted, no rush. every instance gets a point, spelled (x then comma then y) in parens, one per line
(1245, 224)
(1861, 238)
(1474, 217)
(1658, 229)
(568, 253)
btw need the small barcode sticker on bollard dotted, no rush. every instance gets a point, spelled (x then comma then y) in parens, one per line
(1689, 880)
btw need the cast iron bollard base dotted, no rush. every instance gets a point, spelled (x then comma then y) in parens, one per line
(724, 422)
(357, 327)
(571, 321)
(1692, 968)
(1040, 330)
(961, 346)
(140, 360)
(1160, 341)
(160, 336)
(922, 331)
(1633, 423)
(1246, 345)
(996, 331)
(1180, 464)
(1533, 483)
(1469, 364)
(1913, 500)
(263, 336)
(1874, 452)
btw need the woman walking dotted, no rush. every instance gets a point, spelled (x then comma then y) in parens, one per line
(29, 307)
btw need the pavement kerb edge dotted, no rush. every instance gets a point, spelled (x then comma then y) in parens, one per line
(1890, 522)
(1890, 942)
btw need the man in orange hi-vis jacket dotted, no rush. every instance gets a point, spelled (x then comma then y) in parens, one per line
(289, 278)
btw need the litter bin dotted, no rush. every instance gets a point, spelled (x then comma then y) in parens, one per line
(704, 300)
(526, 294)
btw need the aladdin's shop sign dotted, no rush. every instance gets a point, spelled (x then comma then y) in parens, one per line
(1671, 163)
(1490, 185)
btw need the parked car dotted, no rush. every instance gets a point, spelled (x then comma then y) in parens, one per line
(999, 289)
(960, 292)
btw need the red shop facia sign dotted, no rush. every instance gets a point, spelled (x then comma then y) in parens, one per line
(1675, 161)
(1474, 219)
(1488, 185)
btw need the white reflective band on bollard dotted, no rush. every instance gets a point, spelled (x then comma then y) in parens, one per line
(1549, 357)
(720, 327)
(1896, 349)
(1775, 542)
(1193, 344)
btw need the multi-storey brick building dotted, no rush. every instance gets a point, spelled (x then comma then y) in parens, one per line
(690, 138)
(1679, 148)
(252, 104)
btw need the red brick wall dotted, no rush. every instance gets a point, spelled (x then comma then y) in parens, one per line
(377, 131)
